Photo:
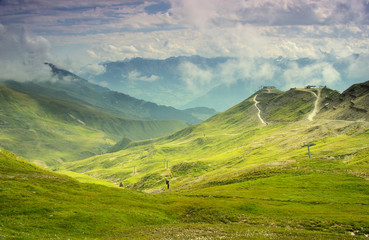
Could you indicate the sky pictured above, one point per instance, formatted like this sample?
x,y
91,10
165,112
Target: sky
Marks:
x,y
79,35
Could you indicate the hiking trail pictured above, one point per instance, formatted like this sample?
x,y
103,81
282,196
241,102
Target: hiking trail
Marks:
x,y
315,110
259,111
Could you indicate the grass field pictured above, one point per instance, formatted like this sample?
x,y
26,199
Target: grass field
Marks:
x,y
314,199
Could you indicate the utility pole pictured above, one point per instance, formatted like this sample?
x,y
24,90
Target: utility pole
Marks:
x,y
308,145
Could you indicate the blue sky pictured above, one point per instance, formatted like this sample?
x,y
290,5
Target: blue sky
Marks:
x,y
78,35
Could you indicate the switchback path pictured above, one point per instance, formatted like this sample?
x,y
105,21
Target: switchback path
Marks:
x,y
315,110
259,111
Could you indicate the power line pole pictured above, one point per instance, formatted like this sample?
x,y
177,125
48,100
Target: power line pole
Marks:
x,y
308,145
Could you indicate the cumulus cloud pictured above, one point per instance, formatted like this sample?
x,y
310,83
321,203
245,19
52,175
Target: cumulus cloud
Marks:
x,y
254,72
247,30
93,69
321,73
247,70
195,78
137,76
358,68
92,53
23,55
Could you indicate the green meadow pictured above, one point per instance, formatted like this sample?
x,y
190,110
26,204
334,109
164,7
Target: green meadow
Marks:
x,y
231,177
314,199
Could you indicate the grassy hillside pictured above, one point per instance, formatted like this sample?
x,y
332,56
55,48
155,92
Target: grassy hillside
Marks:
x,y
231,177
228,142
233,169
38,204
300,201
285,106
68,86
48,131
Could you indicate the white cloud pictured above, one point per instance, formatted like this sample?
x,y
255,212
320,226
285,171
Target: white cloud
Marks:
x,y
321,73
92,53
358,68
196,79
137,76
248,70
249,30
23,55
94,69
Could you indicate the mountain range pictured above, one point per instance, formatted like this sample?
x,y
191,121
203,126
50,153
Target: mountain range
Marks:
x,y
243,173
160,81
219,82
68,86
49,130
291,119
68,118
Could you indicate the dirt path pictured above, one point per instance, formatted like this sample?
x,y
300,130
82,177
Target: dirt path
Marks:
x,y
259,111
315,110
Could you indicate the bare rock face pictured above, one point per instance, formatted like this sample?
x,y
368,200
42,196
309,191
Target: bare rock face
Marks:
x,y
351,105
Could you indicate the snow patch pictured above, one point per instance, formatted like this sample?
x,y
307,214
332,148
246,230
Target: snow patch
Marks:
x,y
78,120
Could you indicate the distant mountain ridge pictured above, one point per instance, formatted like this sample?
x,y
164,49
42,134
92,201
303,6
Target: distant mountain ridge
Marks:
x,y
49,130
71,87
157,80
219,82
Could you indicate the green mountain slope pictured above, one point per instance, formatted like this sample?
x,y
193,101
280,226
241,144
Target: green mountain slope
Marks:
x,y
225,143
48,131
68,86
232,168
231,177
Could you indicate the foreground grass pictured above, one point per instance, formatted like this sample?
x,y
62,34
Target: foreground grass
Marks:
x,y
226,231
38,204
315,199
314,195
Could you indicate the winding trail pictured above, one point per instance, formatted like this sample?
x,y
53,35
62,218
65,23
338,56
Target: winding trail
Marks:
x,y
259,111
315,110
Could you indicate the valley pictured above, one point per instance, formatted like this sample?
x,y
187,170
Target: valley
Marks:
x,y
49,131
184,120
232,176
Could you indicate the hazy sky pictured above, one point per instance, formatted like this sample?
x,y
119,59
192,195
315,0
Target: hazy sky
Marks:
x,y
79,34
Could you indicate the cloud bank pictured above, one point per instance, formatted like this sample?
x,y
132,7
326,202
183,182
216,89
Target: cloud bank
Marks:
x,y
137,76
82,34
23,55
